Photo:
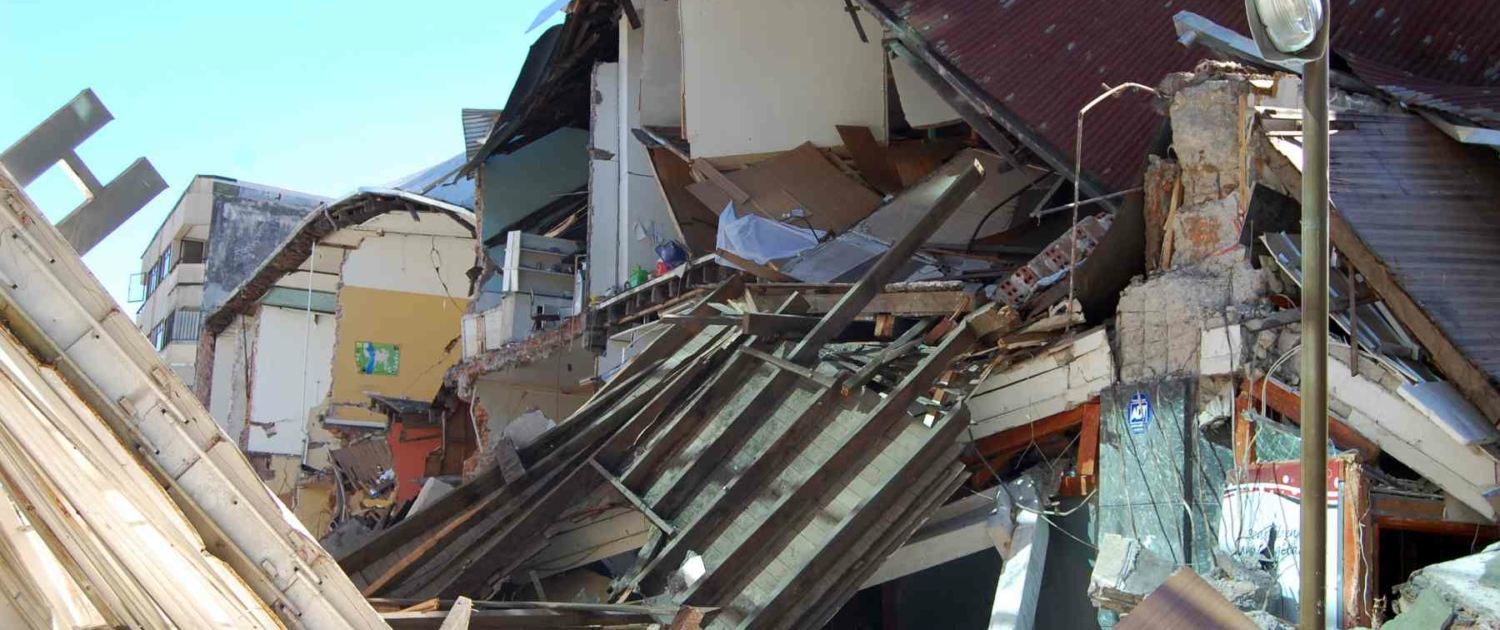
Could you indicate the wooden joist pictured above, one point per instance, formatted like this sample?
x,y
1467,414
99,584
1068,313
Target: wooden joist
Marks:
x,y
737,494
904,344
634,500
874,278
806,373
792,510
775,324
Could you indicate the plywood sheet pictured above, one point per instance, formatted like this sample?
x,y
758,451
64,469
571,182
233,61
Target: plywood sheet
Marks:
x,y
698,224
801,178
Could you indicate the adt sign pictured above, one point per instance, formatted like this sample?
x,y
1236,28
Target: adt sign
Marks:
x,y
1138,413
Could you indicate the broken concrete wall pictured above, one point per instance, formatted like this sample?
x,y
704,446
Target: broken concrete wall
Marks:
x,y
248,225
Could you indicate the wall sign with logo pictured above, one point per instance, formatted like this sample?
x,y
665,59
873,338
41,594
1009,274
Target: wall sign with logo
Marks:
x,y
1138,413
381,359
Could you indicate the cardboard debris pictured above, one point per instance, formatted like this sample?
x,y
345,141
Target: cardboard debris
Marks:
x,y
1186,602
800,179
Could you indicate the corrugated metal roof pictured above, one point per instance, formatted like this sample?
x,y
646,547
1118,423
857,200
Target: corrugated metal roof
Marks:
x,y
1044,59
1480,104
1425,205
441,182
477,125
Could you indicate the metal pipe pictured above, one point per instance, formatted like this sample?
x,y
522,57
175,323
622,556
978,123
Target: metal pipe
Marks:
x,y
1314,384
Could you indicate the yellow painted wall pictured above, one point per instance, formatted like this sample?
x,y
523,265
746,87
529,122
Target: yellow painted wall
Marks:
x,y
422,325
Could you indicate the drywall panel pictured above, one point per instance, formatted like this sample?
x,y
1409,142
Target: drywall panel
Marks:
x,y
420,327
769,75
921,104
287,354
411,263
661,65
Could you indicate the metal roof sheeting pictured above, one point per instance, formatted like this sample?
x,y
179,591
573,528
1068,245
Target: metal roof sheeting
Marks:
x,y
477,125
1044,60
1480,104
1425,205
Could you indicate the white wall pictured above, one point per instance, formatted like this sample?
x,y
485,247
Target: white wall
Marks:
x,y
661,66
643,211
920,103
404,262
604,180
279,374
767,75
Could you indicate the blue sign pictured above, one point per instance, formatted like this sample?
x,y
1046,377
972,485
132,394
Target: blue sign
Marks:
x,y
1138,413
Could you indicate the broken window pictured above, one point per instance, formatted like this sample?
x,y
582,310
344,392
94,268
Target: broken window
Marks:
x,y
193,251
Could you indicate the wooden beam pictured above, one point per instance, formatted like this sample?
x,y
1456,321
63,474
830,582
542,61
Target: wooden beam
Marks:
x,y
1088,450
634,500
895,495
764,272
740,491
669,342
631,16
773,325
806,374
701,320
792,511
1289,404
875,278
458,616
908,341
871,158
1020,437
706,170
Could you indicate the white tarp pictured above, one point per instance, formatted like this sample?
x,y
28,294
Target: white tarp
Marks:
x,y
760,239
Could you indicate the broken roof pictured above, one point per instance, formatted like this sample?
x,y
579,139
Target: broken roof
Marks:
x,y
1041,61
353,209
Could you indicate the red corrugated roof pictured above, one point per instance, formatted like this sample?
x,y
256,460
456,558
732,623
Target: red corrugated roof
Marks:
x,y
1043,59
1480,104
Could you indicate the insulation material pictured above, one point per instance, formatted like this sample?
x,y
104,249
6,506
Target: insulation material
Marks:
x,y
286,358
923,106
796,185
746,93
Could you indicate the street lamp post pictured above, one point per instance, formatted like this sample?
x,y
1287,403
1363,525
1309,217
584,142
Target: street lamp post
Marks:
x,y
1297,30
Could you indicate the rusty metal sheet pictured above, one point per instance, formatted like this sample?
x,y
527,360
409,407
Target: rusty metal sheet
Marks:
x,y
1427,207
1043,60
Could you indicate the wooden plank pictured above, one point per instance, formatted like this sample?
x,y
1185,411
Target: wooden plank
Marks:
x,y
741,490
800,179
701,320
764,272
670,341
793,509
1022,436
712,175
908,341
458,616
900,303
806,374
1358,535
895,496
634,500
775,325
631,16
875,278
1088,450
830,600
519,620
871,158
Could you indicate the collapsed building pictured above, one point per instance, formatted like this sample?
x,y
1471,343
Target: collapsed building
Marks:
x,y
893,321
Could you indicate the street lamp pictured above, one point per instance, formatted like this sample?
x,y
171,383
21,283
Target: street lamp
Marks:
x,y
1297,30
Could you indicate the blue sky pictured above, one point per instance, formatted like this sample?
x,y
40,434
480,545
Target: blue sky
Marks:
x,y
320,97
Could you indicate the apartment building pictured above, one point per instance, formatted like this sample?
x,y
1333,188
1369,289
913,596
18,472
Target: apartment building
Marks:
x,y
219,232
